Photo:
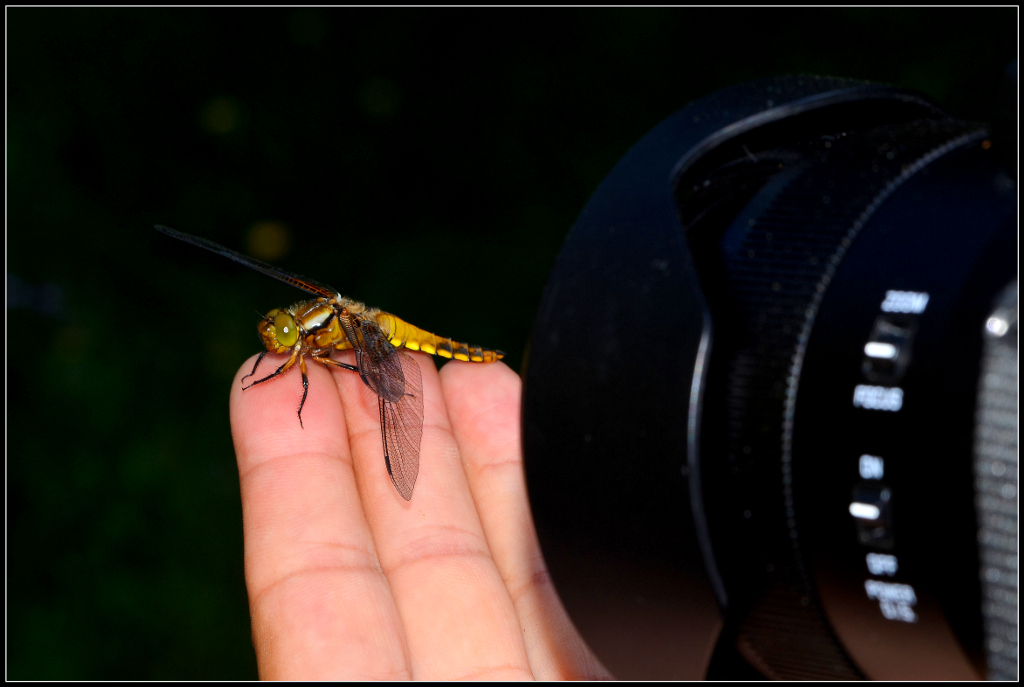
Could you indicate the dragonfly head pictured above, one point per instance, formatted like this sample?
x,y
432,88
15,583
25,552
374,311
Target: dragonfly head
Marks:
x,y
278,331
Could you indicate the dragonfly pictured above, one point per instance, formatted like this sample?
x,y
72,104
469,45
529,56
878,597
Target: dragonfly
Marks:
x,y
331,322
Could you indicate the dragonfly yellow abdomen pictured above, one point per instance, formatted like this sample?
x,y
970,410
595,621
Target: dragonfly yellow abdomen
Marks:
x,y
401,333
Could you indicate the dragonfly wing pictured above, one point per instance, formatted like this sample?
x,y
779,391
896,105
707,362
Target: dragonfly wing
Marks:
x,y
380,364
395,377
401,427
296,280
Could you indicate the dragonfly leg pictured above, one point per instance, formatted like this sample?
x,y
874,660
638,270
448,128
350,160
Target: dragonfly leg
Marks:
x,y
335,363
258,361
305,387
284,368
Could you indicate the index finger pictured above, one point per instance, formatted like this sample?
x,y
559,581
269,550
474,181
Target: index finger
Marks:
x,y
320,605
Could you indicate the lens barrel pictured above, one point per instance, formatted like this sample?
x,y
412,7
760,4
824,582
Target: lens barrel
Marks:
x,y
749,404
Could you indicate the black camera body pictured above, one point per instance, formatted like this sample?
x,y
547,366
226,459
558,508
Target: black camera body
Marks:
x,y
769,410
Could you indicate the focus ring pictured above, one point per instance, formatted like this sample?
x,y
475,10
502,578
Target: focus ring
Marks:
x,y
779,256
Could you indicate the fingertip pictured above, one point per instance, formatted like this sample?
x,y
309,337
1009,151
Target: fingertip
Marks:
x,y
461,380
265,421
242,378
483,403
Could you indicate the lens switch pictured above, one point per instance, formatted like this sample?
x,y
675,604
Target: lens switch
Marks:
x,y
887,351
870,508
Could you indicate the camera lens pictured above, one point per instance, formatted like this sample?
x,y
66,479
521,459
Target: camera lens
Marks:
x,y
764,424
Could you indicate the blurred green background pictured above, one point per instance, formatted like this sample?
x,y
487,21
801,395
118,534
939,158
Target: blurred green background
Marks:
x,y
427,162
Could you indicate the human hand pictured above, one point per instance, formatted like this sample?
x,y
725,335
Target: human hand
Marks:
x,y
347,580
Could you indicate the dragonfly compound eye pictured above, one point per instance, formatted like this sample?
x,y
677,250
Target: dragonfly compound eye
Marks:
x,y
285,329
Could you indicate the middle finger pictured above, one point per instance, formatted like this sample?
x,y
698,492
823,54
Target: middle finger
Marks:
x,y
458,618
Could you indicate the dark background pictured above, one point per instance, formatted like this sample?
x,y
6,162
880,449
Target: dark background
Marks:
x,y
427,162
